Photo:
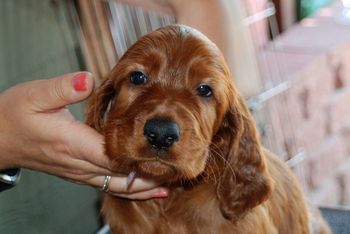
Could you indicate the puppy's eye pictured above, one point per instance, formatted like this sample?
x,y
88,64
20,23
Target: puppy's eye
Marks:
x,y
204,90
138,78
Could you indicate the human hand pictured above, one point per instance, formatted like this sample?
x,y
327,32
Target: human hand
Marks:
x,y
38,132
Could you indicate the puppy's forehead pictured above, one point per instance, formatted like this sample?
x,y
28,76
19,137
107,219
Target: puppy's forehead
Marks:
x,y
176,46
176,38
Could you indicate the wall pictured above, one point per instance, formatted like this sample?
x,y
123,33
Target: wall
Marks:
x,y
314,58
36,42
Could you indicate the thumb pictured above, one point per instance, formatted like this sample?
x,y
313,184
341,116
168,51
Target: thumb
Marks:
x,y
61,91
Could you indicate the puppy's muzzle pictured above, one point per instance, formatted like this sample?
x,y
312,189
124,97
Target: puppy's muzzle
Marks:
x,y
161,133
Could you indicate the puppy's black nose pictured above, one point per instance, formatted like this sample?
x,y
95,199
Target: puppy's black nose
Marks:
x,y
161,133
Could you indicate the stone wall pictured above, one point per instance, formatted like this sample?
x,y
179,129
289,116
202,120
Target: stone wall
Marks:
x,y
313,115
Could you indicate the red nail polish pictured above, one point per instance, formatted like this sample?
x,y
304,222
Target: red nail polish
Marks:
x,y
79,81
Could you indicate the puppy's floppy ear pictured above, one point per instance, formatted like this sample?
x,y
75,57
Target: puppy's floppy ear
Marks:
x,y
100,104
244,182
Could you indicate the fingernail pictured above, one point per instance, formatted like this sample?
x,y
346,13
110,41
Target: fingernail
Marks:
x,y
79,81
161,194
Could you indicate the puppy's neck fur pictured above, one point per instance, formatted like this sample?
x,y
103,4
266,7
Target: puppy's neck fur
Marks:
x,y
185,206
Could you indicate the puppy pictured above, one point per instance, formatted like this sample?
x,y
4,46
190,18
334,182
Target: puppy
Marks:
x,y
169,111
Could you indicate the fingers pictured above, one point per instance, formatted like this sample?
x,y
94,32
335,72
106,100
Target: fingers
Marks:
x,y
81,146
61,91
118,184
144,195
140,188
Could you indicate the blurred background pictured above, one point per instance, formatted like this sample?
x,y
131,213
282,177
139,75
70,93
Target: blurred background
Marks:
x,y
289,59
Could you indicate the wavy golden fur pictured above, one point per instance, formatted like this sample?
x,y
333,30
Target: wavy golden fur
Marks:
x,y
221,179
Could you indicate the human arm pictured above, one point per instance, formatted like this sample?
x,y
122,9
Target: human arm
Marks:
x,y
39,133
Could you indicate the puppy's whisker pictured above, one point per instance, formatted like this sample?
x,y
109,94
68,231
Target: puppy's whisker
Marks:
x,y
140,118
227,164
209,174
213,166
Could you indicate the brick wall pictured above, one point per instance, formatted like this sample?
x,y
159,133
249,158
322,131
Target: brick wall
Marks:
x,y
313,115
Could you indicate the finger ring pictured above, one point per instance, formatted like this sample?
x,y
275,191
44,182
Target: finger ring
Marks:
x,y
106,183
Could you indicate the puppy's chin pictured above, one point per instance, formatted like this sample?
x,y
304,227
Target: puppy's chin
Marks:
x,y
154,168
168,165
158,170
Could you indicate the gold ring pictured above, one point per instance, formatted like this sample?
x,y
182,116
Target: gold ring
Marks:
x,y
106,183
